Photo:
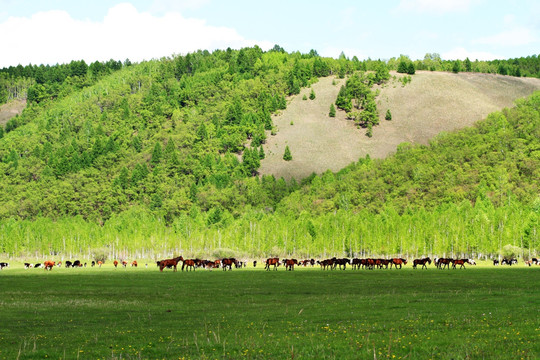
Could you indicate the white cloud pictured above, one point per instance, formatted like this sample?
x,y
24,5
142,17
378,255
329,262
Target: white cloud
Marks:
x,y
461,54
512,37
55,37
435,6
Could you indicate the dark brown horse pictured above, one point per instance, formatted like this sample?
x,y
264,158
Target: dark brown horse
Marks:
x,y
170,262
228,263
421,262
272,262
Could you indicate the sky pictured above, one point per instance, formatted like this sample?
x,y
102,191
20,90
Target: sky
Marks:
x,y
58,31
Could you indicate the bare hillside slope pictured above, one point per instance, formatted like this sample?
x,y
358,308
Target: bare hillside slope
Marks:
x,y
431,103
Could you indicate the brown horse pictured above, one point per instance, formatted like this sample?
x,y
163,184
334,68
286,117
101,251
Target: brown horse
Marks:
x,y
289,264
228,263
272,262
170,262
399,261
421,262
189,264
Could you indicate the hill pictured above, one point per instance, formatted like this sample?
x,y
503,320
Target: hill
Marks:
x,y
432,103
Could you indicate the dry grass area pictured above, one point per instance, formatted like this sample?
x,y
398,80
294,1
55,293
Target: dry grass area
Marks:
x,y
9,110
433,102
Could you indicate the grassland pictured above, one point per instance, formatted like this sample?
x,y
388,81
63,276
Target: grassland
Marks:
x,y
433,102
477,313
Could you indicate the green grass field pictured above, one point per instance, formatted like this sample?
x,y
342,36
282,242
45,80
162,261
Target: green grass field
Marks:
x,y
89,313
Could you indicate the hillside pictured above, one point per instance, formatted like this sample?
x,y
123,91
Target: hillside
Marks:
x,y
432,103
9,110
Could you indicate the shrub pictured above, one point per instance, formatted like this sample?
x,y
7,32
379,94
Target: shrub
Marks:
x,y
287,155
388,115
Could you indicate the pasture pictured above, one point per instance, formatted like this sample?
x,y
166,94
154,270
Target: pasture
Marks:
x,y
137,313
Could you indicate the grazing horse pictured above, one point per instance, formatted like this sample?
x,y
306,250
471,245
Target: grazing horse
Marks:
x,y
168,263
272,262
48,265
289,264
228,263
115,263
399,261
421,262
327,263
188,263
134,263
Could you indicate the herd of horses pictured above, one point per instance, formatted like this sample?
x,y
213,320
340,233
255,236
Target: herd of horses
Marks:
x,y
289,264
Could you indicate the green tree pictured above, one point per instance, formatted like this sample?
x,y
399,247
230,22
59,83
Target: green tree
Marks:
x,y
456,67
388,115
332,112
287,156
156,154
468,65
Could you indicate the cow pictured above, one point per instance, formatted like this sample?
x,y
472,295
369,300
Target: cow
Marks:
x,y
100,263
495,262
68,263
76,263
4,265
124,263
48,265
28,265
38,265
93,263
115,263
255,263
134,263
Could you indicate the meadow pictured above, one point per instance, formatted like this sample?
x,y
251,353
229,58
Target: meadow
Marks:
x,y
139,313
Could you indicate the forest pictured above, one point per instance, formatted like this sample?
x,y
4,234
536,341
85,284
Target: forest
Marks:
x,y
161,157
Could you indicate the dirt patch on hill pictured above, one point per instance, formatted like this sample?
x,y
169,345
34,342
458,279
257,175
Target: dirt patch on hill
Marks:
x,y
433,102
9,110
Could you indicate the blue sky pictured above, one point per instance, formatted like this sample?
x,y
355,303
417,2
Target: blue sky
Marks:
x,y
57,31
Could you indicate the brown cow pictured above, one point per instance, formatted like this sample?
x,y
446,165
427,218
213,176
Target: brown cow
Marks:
x,y
134,263
48,265
115,263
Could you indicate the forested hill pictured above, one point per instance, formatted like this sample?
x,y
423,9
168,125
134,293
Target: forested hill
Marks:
x,y
169,149
165,135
